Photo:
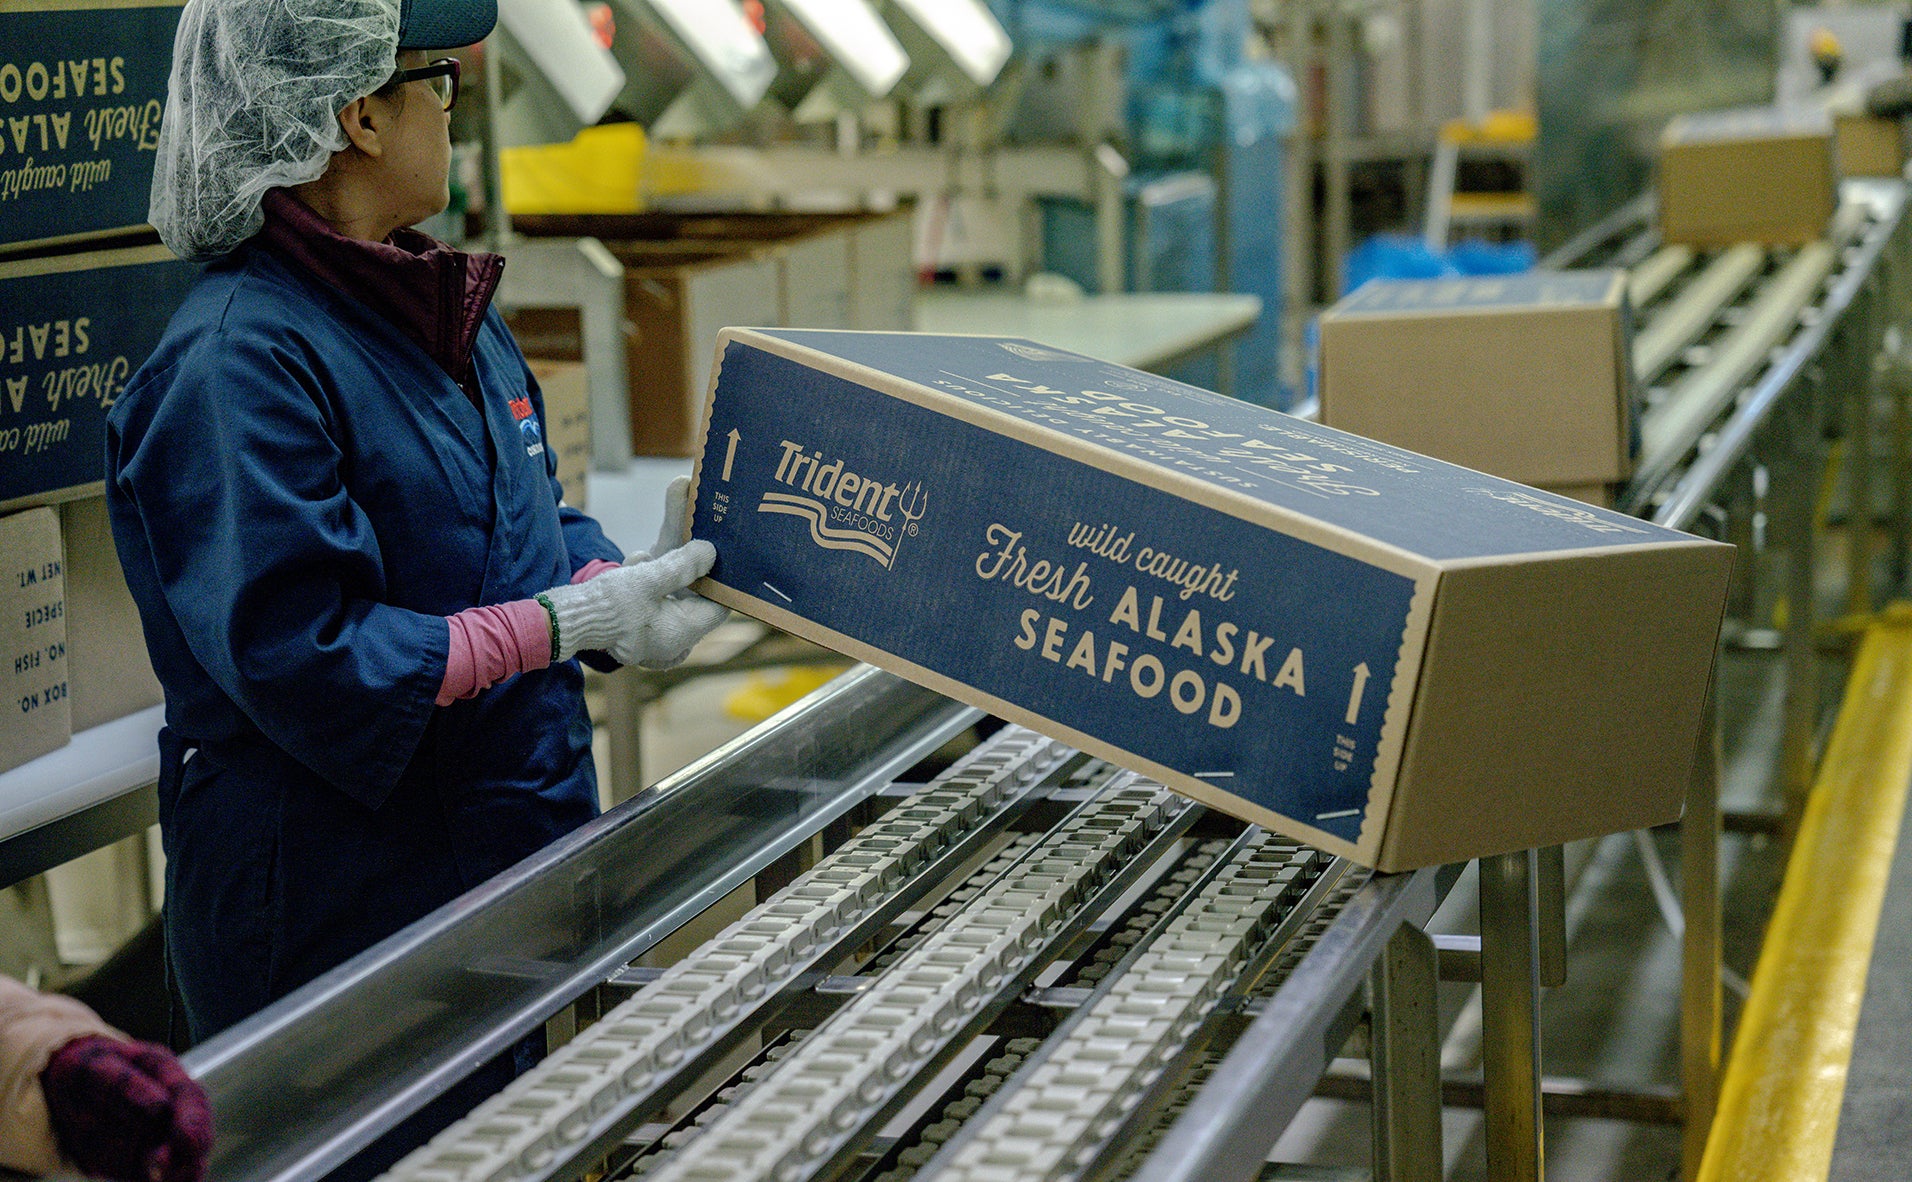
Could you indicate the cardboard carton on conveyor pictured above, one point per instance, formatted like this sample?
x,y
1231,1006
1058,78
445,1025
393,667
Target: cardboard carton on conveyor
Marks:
x,y
1525,376
1765,175
1391,657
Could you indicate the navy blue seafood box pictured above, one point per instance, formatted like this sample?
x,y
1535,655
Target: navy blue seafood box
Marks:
x,y
82,86
1393,658
73,329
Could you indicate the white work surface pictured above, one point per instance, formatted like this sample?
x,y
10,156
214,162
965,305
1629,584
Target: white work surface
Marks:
x,y
1137,330
99,765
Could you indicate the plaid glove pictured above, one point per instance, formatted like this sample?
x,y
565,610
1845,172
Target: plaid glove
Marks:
x,y
127,1111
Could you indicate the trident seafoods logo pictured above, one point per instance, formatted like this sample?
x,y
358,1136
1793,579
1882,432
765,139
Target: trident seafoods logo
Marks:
x,y
845,510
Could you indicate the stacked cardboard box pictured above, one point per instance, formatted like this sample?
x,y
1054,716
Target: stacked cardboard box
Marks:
x,y
70,338
109,670
689,276
82,85
36,710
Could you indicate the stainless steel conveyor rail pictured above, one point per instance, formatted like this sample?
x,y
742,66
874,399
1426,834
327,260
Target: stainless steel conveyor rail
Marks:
x,y
302,1085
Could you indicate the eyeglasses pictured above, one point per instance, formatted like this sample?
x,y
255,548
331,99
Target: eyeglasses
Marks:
x,y
441,74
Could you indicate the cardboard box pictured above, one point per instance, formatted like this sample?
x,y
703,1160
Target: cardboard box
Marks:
x,y
34,704
678,303
813,291
691,274
1757,175
70,336
1870,146
107,666
82,84
1391,657
1587,494
567,413
1524,376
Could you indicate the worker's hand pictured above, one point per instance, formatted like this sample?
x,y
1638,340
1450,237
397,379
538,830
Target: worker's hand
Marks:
x,y
641,612
676,528
127,1111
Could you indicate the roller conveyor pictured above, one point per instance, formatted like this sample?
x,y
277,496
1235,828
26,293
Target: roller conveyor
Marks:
x,y
1698,305
1053,869
795,1123
1066,1106
615,1070
1646,281
1717,328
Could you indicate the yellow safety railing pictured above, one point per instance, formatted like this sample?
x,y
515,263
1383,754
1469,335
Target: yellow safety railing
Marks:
x,y
1784,1084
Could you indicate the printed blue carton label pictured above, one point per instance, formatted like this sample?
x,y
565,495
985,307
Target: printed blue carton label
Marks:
x,y
69,340
81,91
1255,662
1415,504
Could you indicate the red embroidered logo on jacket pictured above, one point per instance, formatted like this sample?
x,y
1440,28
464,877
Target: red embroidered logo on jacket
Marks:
x,y
520,409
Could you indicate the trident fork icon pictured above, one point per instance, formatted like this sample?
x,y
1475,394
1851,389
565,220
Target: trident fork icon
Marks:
x,y
912,504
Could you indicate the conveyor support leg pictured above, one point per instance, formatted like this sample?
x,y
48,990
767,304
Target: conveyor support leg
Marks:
x,y
1510,1005
1700,943
1406,1057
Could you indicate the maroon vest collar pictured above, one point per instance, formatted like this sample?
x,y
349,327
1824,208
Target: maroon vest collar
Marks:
x,y
434,294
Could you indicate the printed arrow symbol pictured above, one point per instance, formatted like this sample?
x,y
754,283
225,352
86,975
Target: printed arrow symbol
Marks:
x,y
730,456
1361,676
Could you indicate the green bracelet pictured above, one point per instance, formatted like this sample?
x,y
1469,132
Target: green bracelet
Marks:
x,y
553,613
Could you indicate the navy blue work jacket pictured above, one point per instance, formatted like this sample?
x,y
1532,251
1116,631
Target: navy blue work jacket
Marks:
x,y
300,495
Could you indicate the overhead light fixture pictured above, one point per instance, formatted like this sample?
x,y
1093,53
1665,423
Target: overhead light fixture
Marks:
x,y
832,55
559,77
692,66
956,47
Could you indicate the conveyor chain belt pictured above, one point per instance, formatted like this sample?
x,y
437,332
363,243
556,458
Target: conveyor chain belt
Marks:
x,y
602,1080
1053,1122
843,1077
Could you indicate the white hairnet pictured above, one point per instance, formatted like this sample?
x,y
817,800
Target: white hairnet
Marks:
x,y
253,104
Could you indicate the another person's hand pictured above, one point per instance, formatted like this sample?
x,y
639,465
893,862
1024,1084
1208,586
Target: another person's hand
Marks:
x,y
638,613
127,1111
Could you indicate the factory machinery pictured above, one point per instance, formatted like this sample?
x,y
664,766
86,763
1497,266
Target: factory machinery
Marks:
x,y
1028,963
1031,964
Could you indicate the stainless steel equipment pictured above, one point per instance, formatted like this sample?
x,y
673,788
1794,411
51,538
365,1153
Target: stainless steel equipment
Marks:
x,y
956,47
1032,925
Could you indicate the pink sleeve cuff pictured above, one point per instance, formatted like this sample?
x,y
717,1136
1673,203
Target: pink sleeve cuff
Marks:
x,y
489,644
592,570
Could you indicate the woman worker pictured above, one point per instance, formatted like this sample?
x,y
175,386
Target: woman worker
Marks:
x,y
360,586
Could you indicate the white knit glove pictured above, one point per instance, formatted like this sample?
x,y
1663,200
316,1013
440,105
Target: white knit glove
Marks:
x,y
676,528
636,612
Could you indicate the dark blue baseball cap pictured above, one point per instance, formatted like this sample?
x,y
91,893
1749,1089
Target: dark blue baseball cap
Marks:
x,y
444,24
